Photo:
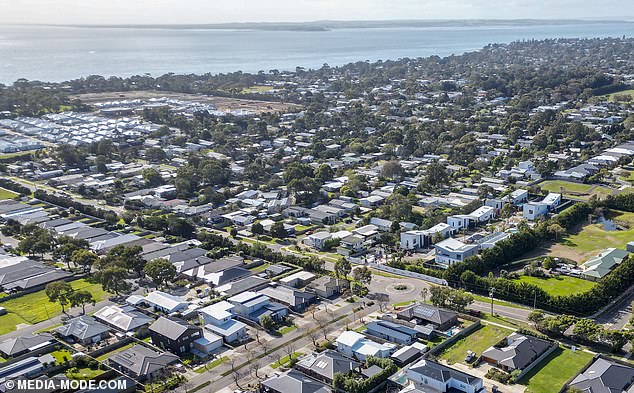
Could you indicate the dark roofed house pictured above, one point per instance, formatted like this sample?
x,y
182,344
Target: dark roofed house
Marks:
x,y
294,382
327,286
20,345
84,330
277,269
29,274
516,352
293,298
174,335
124,318
442,319
141,362
605,376
323,366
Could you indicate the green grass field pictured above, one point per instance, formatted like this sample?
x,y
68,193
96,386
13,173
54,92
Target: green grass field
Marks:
x,y
560,286
555,370
35,307
6,194
256,89
594,238
574,189
211,365
478,342
83,373
286,359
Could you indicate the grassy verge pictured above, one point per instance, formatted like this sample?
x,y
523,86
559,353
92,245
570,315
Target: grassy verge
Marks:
x,y
286,359
211,365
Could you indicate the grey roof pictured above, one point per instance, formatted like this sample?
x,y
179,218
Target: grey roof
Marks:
x,y
442,373
17,345
328,363
142,360
277,269
295,382
172,328
288,295
391,330
520,351
605,376
82,327
251,283
125,318
437,316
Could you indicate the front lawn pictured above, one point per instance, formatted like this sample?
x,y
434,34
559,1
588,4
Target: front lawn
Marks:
x,y
286,359
478,342
9,322
35,307
555,370
287,329
560,286
211,365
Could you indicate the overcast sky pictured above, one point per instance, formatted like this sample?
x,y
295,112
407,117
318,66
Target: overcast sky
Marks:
x,y
221,11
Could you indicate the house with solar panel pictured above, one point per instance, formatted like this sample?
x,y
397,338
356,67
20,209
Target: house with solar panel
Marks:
x,y
423,314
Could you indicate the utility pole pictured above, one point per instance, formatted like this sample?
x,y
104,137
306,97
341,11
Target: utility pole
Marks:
x,y
491,292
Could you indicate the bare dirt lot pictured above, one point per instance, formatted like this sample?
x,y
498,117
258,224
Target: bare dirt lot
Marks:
x,y
224,104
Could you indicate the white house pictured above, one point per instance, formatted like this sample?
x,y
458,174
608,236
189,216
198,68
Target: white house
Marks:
x,y
414,240
356,345
534,210
519,196
440,378
459,221
381,224
452,250
552,200
164,302
483,214
218,319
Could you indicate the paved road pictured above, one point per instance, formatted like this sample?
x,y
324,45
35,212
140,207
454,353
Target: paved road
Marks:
x,y
618,315
297,337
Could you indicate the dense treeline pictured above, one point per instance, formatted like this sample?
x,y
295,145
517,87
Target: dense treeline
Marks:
x,y
13,186
80,207
220,245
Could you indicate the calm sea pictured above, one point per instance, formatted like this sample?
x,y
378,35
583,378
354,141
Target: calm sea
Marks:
x,y
63,53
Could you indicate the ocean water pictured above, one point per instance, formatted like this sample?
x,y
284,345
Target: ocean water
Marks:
x,y
63,53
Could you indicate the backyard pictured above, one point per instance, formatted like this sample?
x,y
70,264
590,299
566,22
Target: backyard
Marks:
x,y
478,342
555,370
594,237
559,286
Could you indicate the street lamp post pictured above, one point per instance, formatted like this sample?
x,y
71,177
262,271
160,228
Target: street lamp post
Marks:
x,y
491,292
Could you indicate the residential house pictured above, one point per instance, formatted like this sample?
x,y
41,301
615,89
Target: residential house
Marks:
x,y
21,345
294,382
323,366
356,345
298,280
409,353
84,329
381,224
328,286
123,318
254,306
516,352
174,335
451,250
142,363
161,301
440,318
518,197
599,266
414,240
534,210
429,375
604,376
294,299
218,318
390,331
